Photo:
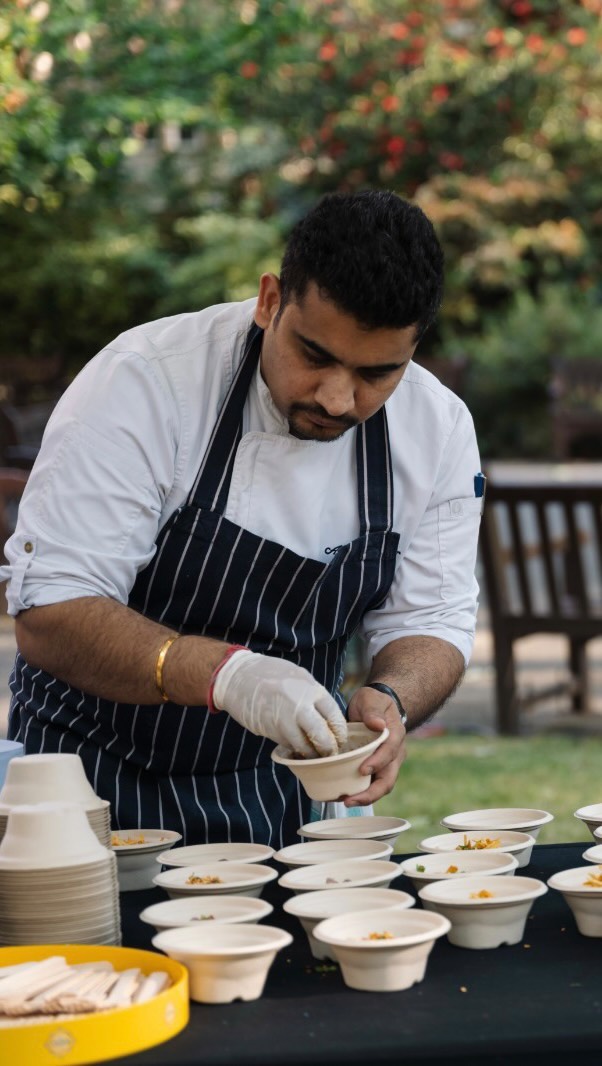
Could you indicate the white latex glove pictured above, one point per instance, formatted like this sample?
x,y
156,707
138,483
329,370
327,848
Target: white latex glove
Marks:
x,y
274,698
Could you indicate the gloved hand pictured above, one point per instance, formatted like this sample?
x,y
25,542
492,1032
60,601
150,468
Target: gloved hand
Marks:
x,y
277,699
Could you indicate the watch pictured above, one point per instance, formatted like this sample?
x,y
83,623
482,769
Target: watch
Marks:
x,y
388,691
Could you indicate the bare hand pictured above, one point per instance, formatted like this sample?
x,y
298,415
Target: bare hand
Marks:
x,y
377,711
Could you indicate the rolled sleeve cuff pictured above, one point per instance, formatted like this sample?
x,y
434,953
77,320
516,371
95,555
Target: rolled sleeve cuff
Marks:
x,y
460,639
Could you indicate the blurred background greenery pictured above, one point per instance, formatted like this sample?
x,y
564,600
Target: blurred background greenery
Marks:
x,y
154,155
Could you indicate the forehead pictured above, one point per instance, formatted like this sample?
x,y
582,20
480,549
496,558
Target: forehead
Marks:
x,y
316,318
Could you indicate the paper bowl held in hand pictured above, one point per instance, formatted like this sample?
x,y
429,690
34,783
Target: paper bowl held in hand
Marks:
x,y
225,962
382,950
313,907
486,911
421,870
334,776
581,887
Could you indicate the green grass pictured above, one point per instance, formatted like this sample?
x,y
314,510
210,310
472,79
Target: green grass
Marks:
x,y
445,775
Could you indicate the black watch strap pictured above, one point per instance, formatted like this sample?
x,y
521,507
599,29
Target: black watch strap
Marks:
x,y
388,691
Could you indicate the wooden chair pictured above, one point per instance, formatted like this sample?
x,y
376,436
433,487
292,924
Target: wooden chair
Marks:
x,y
541,549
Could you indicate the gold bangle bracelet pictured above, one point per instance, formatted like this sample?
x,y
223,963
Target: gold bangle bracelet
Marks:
x,y
163,650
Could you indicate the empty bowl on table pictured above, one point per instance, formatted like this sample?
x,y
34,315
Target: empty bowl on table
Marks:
x,y
581,887
317,851
521,819
46,835
224,962
226,852
313,907
421,870
214,879
591,816
486,911
356,873
361,827
381,950
136,851
177,913
593,854
334,776
514,843
51,777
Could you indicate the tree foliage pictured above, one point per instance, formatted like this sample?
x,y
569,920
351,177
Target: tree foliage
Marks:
x,y
155,153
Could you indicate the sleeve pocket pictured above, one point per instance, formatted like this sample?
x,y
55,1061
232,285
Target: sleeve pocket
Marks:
x,y
458,527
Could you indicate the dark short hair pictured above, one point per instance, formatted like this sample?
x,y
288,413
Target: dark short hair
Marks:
x,y
373,254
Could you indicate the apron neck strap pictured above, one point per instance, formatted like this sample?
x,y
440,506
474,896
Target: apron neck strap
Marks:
x,y
374,474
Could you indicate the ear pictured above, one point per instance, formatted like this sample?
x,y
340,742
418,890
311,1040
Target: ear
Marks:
x,y
268,300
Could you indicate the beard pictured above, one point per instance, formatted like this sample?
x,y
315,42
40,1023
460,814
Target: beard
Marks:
x,y
303,429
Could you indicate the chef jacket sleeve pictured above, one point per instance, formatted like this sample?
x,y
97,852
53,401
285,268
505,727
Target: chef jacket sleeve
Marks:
x,y
92,505
434,591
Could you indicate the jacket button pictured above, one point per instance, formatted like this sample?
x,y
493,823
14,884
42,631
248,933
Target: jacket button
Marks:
x,y
28,546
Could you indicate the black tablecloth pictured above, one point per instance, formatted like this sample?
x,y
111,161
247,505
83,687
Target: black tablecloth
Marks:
x,y
537,1002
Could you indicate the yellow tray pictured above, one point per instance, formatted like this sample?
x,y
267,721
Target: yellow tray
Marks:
x,y
104,1035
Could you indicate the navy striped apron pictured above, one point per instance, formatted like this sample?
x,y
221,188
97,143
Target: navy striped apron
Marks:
x,y
180,767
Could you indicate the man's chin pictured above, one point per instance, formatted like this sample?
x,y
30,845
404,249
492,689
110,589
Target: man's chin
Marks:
x,y
324,434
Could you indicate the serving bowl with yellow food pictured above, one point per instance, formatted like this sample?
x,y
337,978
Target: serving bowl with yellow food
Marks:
x,y
484,911
441,866
513,843
381,950
217,878
136,851
313,907
519,819
333,776
581,887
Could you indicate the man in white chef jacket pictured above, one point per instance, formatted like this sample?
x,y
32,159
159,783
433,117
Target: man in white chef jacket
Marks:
x,y
221,499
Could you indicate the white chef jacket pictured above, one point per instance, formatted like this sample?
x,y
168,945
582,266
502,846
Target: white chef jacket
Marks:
x,y
125,442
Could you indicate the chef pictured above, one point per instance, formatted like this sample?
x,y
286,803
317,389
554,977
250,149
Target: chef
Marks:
x,y
223,498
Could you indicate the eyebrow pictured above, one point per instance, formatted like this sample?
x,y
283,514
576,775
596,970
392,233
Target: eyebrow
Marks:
x,y
319,350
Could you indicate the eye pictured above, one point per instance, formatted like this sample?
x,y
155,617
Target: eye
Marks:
x,y
376,374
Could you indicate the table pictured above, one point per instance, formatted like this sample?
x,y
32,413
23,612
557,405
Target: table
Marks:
x,y
537,1002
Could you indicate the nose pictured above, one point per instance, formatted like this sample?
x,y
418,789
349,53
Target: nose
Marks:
x,y
335,392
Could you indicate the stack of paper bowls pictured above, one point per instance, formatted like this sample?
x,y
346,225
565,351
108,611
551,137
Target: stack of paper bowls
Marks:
x,y
54,778
58,884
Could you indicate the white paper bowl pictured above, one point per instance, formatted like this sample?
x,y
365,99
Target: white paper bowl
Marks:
x,y
335,776
358,873
318,851
48,778
421,870
382,965
585,902
226,962
360,827
483,923
136,863
593,854
591,815
236,879
221,910
47,835
227,852
520,819
313,907
518,844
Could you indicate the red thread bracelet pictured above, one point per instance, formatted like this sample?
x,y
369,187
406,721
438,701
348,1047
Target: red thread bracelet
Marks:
x,y
233,648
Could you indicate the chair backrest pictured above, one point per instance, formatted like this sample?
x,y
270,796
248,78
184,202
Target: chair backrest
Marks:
x,y
541,547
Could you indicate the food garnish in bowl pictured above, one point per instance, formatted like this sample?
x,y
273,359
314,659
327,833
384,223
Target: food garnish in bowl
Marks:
x,y
379,936
118,842
197,879
478,845
594,880
451,870
483,894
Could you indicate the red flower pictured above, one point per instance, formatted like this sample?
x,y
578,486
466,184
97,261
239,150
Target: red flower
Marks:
x,y
439,93
522,9
493,37
451,160
534,42
399,31
390,103
414,18
249,69
396,146
576,35
328,51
